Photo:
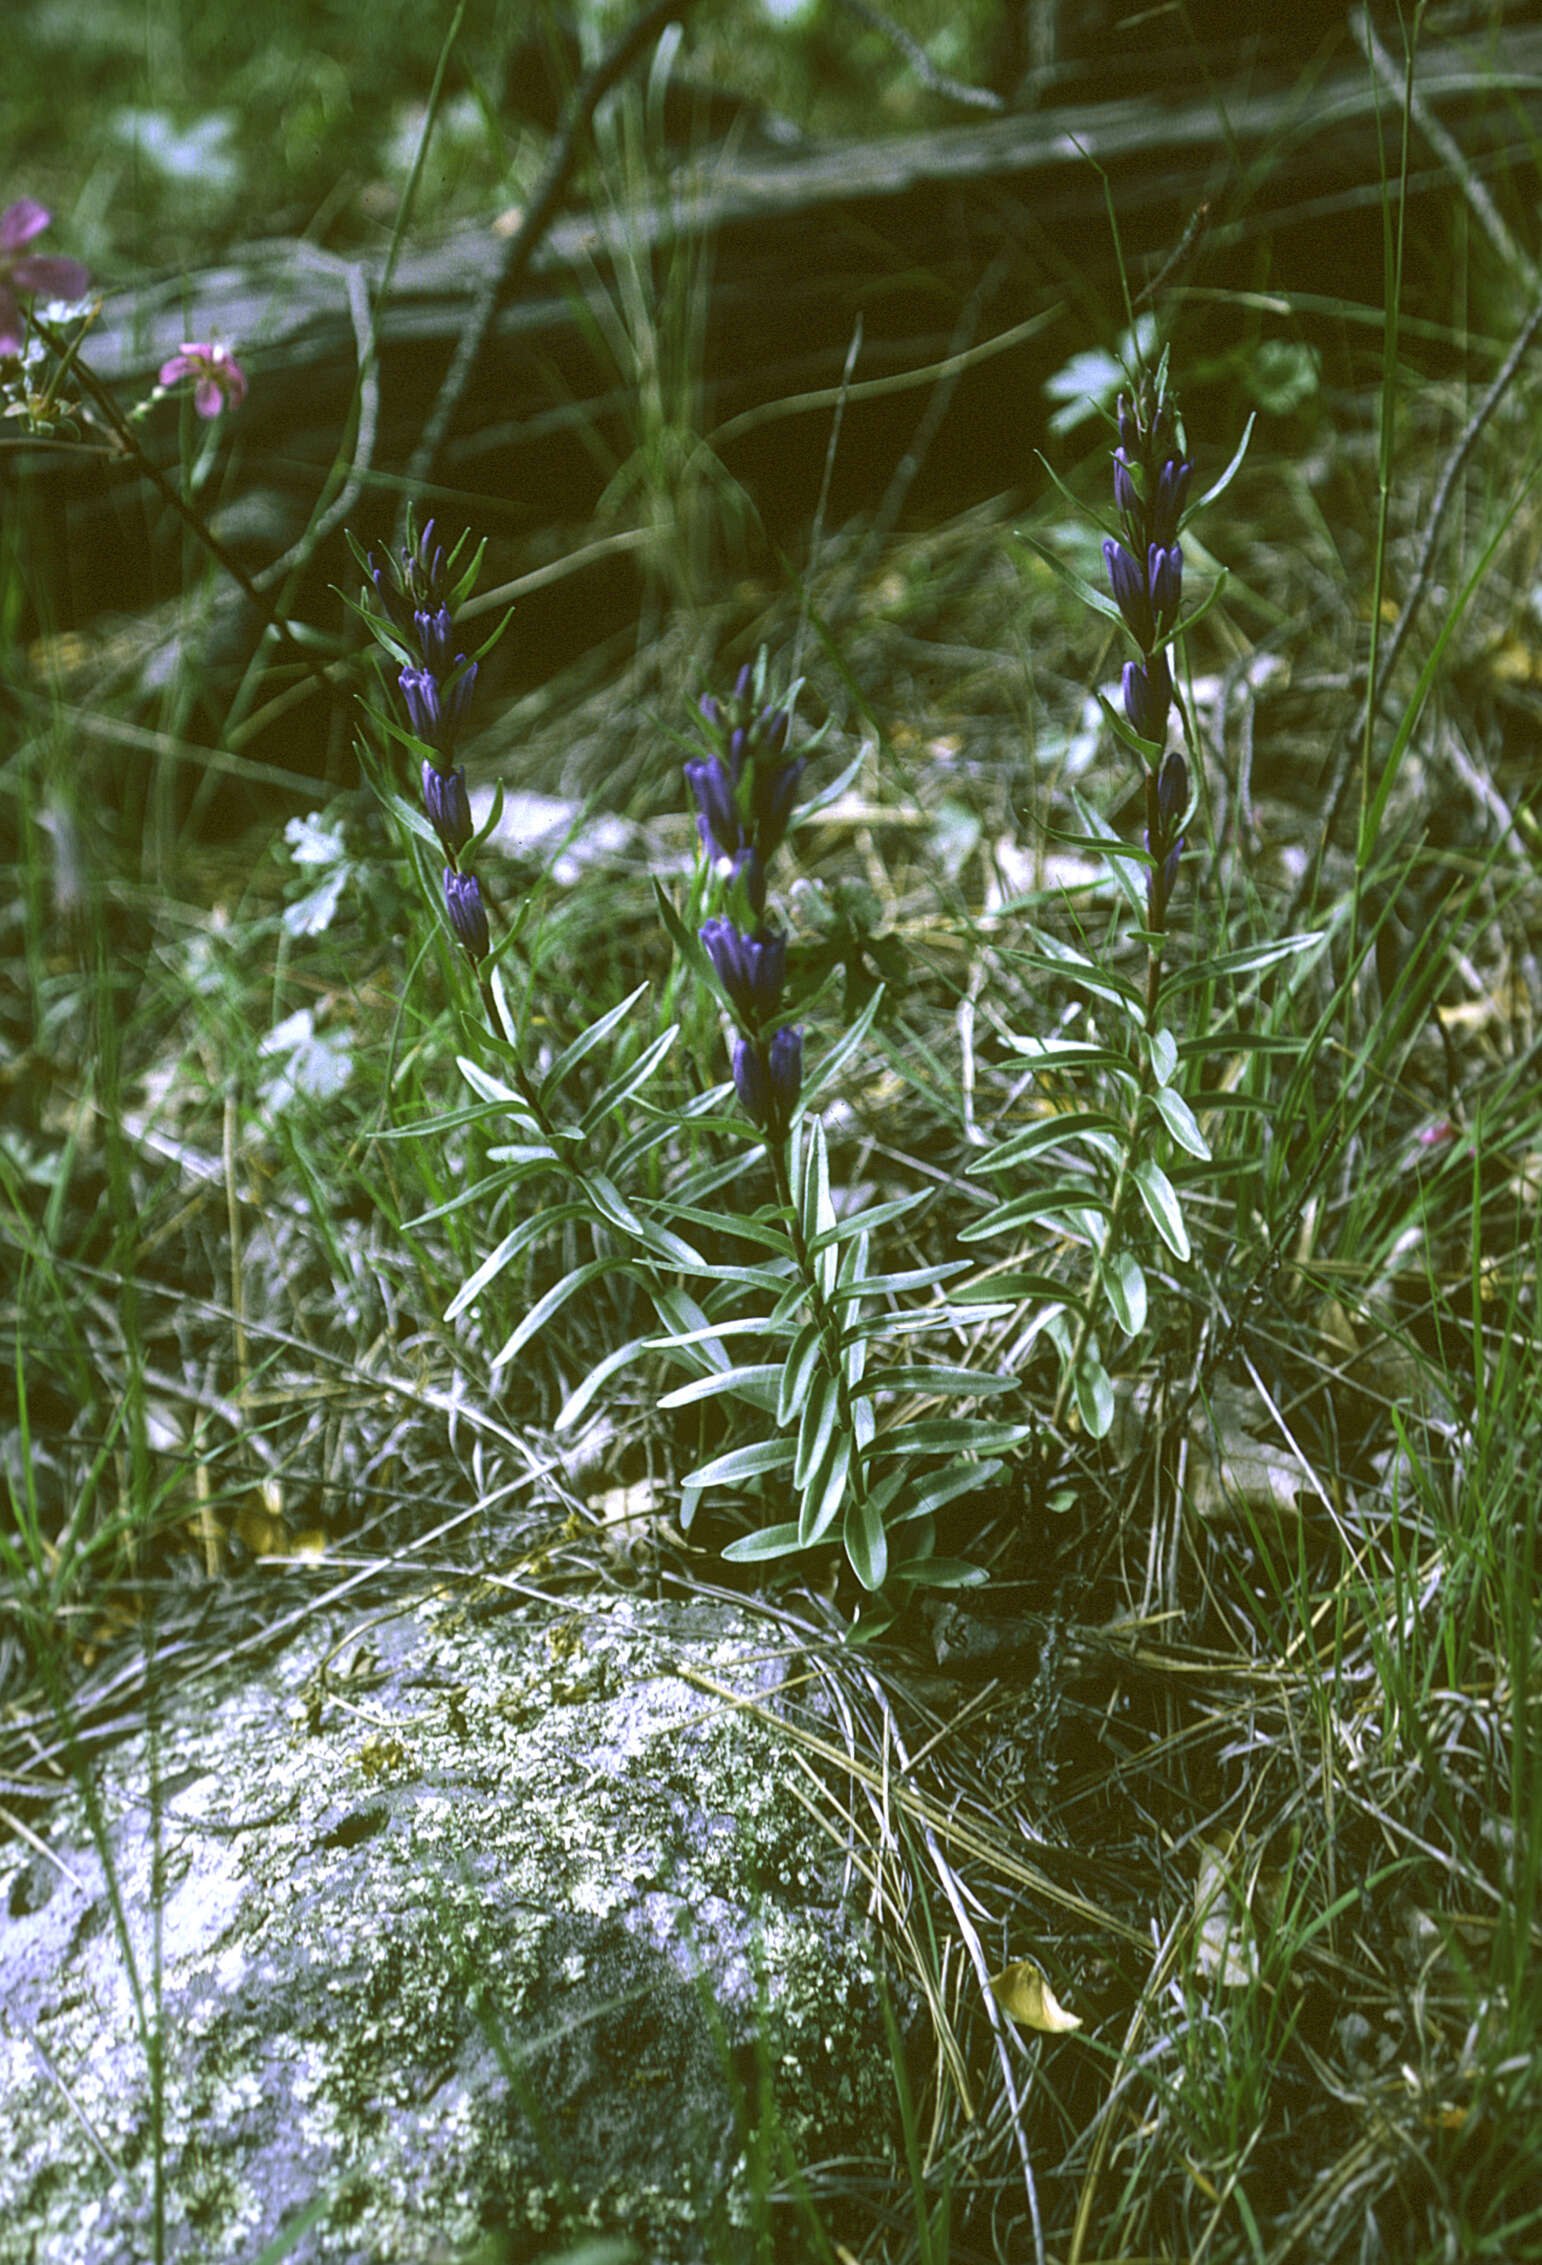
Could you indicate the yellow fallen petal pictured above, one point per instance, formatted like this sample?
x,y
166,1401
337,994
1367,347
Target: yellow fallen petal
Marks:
x,y
1023,1995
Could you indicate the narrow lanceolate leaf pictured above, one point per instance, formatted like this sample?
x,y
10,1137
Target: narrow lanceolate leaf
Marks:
x,y
1164,1056
1248,961
819,1210
921,1498
1085,974
1049,1133
599,1376
543,1309
826,1491
742,1463
940,1573
912,1278
756,1383
816,1182
587,1040
1012,1289
1160,1197
948,1435
1125,1288
1064,1053
932,1376
798,1372
623,1087
771,1541
817,1428
866,1543
873,1215
1180,1121
1094,1397
1042,1203
825,1072
494,1089
514,1243
689,1325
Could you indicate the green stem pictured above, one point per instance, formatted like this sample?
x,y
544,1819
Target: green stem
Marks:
x,y
826,1319
1121,1191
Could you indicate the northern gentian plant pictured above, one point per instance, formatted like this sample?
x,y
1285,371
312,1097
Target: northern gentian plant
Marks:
x,y
417,591
585,1142
1113,1125
855,1470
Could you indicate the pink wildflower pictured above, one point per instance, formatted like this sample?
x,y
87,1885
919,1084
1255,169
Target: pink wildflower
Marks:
x,y
220,376
26,271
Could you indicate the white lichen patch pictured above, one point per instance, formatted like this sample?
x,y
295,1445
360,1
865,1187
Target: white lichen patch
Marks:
x,y
490,1922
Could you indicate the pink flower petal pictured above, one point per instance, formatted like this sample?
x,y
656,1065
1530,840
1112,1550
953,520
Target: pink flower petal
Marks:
x,y
61,279
10,322
20,222
208,397
180,366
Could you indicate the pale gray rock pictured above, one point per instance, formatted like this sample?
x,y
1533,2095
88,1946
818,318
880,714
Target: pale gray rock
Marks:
x,y
480,1930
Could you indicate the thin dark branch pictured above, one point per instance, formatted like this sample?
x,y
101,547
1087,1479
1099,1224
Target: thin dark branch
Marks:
x,y
512,268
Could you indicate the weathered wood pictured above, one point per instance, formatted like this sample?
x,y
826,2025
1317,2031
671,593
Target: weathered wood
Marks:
x,y
841,224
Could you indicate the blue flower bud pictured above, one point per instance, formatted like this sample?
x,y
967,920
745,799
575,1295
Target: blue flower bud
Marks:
x,y
1132,593
394,606
751,970
776,786
1148,691
1126,493
1165,573
423,571
784,1065
722,834
1172,487
752,1081
768,1079
448,806
1172,791
435,712
468,916
435,630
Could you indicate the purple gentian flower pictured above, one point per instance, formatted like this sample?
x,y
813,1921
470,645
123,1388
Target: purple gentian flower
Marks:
x,y
1172,489
448,806
752,1081
435,631
784,1063
221,379
1132,593
751,969
768,1079
435,711
22,271
1164,567
1172,791
468,916
1148,691
775,788
722,834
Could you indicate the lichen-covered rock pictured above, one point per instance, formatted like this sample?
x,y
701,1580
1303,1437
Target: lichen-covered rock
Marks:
x,y
471,1924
